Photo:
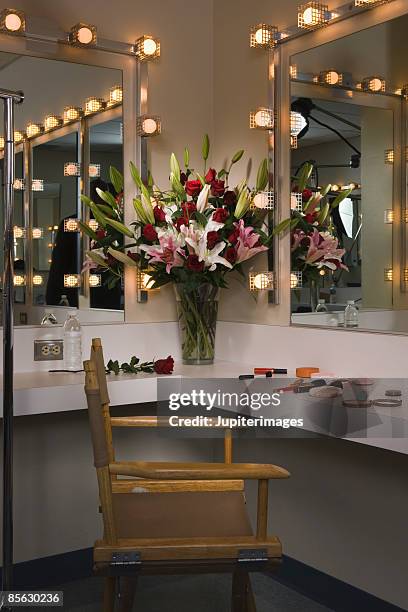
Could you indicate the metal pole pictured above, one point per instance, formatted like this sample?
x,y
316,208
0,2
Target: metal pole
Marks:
x,y
9,99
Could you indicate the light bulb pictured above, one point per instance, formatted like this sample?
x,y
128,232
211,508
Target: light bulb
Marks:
x,y
19,232
71,225
94,170
388,216
37,280
37,233
259,281
83,34
72,113
34,129
388,274
12,22
19,280
93,224
293,281
115,95
149,126
71,281
95,280
149,46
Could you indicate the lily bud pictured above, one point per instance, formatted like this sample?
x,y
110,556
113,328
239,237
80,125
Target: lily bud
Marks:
x,y
242,204
148,208
202,201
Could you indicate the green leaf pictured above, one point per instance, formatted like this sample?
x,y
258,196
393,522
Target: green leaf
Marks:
x,y
186,157
294,223
262,177
200,178
174,166
342,196
222,173
323,213
304,176
238,155
176,185
282,227
150,180
97,214
113,366
135,175
107,210
86,200
97,259
326,190
206,147
122,257
116,178
120,227
201,219
87,230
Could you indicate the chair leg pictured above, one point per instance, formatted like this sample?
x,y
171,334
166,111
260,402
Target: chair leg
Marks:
x,y
109,594
127,593
240,581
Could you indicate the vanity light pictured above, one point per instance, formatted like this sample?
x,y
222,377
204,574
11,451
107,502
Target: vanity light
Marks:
x,y
51,122
72,113
19,136
72,169
374,84
263,36
293,72
71,225
19,232
368,2
37,185
83,34
144,281
93,224
148,125
322,272
293,142
297,123
34,129
261,119
95,280
115,95
335,188
389,156
296,280
2,142
37,233
19,280
94,105
312,15
296,201
38,280
94,170
388,274
71,281
19,184
264,200
147,48
12,21
332,77
260,281
388,216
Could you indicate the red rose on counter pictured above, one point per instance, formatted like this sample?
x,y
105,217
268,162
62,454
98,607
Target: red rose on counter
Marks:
x,y
193,188
230,255
230,198
194,264
164,366
212,239
210,176
159,214
217,188
220,215
149,232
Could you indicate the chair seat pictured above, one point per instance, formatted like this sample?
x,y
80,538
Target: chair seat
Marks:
x,y
181,515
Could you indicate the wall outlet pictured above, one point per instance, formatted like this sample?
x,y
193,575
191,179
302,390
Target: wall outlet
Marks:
x,y
48,350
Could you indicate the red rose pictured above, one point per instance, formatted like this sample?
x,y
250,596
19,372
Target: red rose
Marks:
x,y
212,239
233,237
310,217
164,366
112,262
220,215
230,198
193,188
183,178
230,255
101,234
181,221
159,214
306,195
134,256
119,197
217,188
210,176
149,232
193,263
188,208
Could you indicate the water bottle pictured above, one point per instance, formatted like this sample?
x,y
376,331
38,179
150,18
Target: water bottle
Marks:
x,y
63,301
72,342
350,315
333,294
321,306
48,318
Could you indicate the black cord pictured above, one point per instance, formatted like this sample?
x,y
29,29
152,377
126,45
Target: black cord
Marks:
x,y
339,134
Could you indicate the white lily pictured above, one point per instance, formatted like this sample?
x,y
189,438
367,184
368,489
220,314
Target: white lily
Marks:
x,y
202,201
212,257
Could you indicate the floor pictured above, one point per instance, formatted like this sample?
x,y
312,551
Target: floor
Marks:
x,y
187,593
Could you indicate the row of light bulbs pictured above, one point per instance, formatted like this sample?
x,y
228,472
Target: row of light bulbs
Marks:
x,y
81,34
311,15
389,275
71,281
70,225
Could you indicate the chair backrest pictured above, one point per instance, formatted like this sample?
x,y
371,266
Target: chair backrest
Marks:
x,y
98,360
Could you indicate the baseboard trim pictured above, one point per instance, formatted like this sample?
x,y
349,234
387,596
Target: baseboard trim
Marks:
x,y
314,584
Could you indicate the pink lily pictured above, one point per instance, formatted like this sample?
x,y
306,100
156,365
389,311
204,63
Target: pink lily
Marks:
x,y
323,251
169,251
247,240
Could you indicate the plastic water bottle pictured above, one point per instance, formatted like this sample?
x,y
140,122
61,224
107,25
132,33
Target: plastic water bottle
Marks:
x,y
321,306
72,342
350,315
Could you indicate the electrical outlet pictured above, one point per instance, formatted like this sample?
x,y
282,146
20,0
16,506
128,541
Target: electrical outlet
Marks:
x,y
48,350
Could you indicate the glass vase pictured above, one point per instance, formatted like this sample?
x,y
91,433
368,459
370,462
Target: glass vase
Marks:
x,y
314,294
197,311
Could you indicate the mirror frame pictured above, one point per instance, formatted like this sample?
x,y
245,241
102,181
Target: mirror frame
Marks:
x,y
134,83
300,43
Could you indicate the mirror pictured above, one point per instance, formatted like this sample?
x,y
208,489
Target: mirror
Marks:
x,y
71,133
349,269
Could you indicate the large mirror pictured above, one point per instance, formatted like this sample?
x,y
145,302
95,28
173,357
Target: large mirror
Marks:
x,y
347,111
69,131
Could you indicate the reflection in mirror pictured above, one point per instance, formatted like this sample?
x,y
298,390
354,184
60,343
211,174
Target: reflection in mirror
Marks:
x,y
78,118
345,123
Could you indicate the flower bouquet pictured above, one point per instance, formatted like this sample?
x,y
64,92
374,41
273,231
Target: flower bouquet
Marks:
x,y
314,244
192,235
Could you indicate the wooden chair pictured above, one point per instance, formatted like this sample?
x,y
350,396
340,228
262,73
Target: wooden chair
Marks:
x,y
165,517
